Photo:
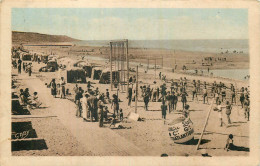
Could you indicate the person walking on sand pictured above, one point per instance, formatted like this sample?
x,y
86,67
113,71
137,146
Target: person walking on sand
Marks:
x,y
223,94
19,66
84,104
29,69
205,95
194,92
121,114
129,97
242,98
220,113
246,108
23,66
146,100
169,101
91,102
164,109
184,99
115,104
78,104
228,111
62,84
198,86
175,100
233,96
53,88
100,112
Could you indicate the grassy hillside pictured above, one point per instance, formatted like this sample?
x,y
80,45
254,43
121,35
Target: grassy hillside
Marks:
x,y
31,37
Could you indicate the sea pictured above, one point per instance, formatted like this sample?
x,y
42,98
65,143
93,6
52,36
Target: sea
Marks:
x,y
237,74
211,46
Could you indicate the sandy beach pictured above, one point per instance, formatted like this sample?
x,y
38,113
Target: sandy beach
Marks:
x,y
65,134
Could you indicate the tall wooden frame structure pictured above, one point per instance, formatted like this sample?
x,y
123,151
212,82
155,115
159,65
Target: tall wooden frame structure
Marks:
x,y
118,58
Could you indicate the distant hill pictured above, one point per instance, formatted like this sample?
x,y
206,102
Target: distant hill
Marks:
x,y
31,37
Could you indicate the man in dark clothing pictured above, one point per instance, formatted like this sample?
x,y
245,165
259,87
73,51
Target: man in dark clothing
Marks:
x,y
146,100
169,101
163,108
19,66
89,85
107,94
184,99
92,102
77,101
130,93
163,91
100,112
115,104
23,66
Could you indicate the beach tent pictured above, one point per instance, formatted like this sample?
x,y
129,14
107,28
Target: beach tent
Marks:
x,y
105,76
26,56
76,75
81,64
96,73
88,70
52,64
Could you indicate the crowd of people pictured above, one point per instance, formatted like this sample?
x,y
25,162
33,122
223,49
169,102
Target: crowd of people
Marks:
x,y
169,92
19,64
31,101
92,104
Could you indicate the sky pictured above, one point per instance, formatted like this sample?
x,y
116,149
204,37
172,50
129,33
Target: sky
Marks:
x,y
133,23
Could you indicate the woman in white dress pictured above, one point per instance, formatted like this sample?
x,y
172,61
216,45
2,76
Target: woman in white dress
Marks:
x,y
84,104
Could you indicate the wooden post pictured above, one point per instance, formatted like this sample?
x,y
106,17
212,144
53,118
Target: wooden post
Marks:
x,y
121,72
206,122
127,65
136,89
111,72
124,63
148,65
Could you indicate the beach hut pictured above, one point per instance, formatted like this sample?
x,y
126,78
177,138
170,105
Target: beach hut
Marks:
x,y
81,64
105,76
26,56
96,73
52,64
76,75
88,70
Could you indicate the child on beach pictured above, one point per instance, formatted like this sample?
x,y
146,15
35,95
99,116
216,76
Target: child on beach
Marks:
x,y
113,121
105,113
186,111
229,143
121,114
